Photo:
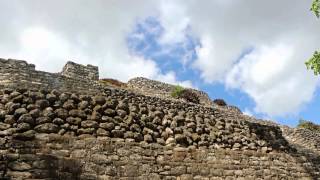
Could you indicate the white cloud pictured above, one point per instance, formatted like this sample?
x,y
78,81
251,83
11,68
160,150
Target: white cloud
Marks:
x,y
247,112
277,86
283,34
274,74
170,78
50,33
175,21
213,61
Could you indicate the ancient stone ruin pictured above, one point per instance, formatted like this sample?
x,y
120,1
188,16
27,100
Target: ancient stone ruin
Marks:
x,y
68,126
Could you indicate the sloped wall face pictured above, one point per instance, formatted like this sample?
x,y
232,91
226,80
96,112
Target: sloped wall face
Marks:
x,y
120,114
162,90
18,73
119,134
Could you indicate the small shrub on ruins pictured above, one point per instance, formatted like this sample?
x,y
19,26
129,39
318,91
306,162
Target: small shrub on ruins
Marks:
x,y
187,94
177,91
220,102
190,96
309,125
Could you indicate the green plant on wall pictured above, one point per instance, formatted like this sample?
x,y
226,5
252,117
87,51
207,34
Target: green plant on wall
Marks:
x,y
186,94
177,91
314,62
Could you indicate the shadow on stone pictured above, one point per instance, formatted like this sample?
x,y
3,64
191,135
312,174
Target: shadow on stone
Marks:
x,y
272,135
35,161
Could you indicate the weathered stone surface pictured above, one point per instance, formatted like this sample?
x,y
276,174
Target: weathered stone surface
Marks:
x,y
102,132
77,113
96,116
117,133
19,166
28,135
43,103
23,127
61,113
148,138
58,121
4,126
100,100
110,112
85,130
83,105
51,98
74,120
42,120
47,128
26,118
89,124
2,114
35,113
12,108
107,126
20,111
170,140
68,105
18,174
48,112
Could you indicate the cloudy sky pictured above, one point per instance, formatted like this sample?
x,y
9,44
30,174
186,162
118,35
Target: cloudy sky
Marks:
x,y
250,53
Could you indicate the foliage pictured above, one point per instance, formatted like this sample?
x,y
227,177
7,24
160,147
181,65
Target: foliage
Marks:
x,y
177,91
309,125
315,7
314,63
187,94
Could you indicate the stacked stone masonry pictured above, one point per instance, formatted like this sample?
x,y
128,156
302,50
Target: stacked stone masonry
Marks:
x,y
61,133
162,90
74,77
79,71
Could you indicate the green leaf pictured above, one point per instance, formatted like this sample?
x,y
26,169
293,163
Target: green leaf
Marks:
x,y
315,7
314,63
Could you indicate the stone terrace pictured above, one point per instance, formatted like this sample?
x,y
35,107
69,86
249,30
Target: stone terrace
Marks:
x,y
63,131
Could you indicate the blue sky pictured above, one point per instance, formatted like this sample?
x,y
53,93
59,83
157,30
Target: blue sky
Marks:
x,y
250,53
145,40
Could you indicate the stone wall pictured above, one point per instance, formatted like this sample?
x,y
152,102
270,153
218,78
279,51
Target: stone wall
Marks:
x,y
121,114
119,134
55,157
162,90
79,71
303,137
18,73
67,126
